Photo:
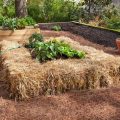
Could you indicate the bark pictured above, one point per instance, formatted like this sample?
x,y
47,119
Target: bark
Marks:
x,y
21,8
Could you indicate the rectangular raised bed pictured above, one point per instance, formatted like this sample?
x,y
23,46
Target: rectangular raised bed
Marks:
x,y
97,35
17,35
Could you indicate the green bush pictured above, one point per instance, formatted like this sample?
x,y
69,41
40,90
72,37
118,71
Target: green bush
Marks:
x,y
53,50
53,10
36,12
110,11
29,21
56,28
113,23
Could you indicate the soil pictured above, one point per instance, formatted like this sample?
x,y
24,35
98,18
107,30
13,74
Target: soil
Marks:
x,y
93,34
103,104
80,39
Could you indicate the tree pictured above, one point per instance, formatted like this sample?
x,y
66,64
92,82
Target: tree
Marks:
x,y
96,5
21,8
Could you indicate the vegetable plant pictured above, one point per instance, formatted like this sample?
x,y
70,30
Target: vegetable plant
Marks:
x,y
36,37
56,28
53,49
9,23
16,23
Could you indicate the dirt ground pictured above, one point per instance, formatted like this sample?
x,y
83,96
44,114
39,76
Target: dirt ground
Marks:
x,y
101,104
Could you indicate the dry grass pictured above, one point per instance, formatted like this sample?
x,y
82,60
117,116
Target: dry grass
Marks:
x,y
28,78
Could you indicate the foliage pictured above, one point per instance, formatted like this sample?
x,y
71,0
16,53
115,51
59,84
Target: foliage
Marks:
x,y
113,23
54,10
53,50
111,17
7,8
36,37
9,23
16,23
1,20
29,21
22,22
36,11
95,6
63,10
109,11
57,28
92,8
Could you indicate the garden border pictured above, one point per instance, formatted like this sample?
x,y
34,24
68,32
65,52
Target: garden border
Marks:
x,y
99,35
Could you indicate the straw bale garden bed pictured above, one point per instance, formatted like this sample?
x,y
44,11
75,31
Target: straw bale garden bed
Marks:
x,y
59,60
27,77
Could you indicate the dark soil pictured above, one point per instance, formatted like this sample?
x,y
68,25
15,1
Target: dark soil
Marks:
x,y
81,40
94,34
101,104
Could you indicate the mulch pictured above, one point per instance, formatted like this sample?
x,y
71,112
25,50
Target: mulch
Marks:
x,y
85,105
103,104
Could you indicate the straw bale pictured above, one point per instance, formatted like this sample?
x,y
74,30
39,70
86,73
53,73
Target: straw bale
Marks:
x,y
27,77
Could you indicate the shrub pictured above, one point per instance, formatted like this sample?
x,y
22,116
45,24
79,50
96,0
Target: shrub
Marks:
x,y
110,11
53,49
53,10
36,12
29,21
56,28
113,23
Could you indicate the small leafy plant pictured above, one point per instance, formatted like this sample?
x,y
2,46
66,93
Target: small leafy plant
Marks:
x,y
1,20
36,37
56,28
21,23
9,23
16,23
54,49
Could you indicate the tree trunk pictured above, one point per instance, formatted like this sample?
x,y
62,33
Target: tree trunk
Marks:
x,y
21,8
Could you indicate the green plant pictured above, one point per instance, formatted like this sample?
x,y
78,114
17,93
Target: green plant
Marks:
x,y
113,23
27,21
110,11
57,28
21,23
36,37
16,23
1,20
9,23
53,50
53,10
